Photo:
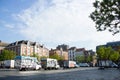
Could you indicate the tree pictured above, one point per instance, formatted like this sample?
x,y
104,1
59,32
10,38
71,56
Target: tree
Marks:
x,y
43,57
107,15
80,59
107,53
35,55
101,53
114,56
56,56
7,55
89,58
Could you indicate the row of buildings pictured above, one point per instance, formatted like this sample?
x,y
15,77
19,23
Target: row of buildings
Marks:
x,y
27,48
115,45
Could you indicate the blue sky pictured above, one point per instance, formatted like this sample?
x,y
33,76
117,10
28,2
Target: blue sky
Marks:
x,y
7,10
51,22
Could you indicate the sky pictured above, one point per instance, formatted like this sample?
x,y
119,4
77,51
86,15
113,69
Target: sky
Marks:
x,y
51,22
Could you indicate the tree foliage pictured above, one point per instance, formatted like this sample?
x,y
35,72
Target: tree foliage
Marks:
x,y
101,53
89,58
43,57
35,55
80,59
114,56
56,56
107,53
107,15
7,55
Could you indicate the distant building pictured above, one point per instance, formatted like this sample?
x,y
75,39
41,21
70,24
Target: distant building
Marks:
x,y
73,52
93,55
2,45
27,48
114,45
90,52
80,52
63,47
61,53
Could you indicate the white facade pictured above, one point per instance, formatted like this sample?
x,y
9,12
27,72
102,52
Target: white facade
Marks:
x,y
71,53
28,48
74,52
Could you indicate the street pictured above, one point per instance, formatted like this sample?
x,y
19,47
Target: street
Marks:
x,y
66,74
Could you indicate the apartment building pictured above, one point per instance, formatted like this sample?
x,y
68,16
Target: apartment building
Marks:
x,y
73,52
64,47
114,45
27,48
80,52
2,45
60,52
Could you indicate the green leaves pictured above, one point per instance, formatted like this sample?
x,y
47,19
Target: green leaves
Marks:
x,y
56,56
95,4
107,53
114,56
101,52
106,15
36,55
89,58
80,59
7,55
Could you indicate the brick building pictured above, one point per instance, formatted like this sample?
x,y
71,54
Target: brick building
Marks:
x,y
61,53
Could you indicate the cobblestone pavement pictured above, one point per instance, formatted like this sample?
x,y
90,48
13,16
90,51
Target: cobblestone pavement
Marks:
x,y
67,74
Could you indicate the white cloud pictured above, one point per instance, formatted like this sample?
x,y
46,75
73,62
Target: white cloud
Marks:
x,y
10,26
61,21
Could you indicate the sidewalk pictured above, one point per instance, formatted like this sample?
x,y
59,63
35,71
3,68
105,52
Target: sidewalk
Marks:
x,y
7,69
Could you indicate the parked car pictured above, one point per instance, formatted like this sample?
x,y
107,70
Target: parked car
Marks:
x,y
83,64
113,65
76,66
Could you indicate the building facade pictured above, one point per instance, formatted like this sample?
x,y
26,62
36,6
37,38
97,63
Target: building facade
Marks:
x,y
64,47
80,52
27,48
114,45
73,52
60,53
2,46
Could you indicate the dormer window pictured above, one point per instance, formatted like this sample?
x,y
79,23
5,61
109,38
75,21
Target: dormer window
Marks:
x,y
28,43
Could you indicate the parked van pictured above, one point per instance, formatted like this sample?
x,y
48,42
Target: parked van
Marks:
x,y
49,63
27,63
